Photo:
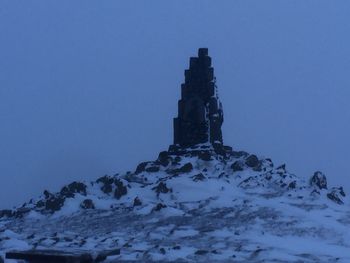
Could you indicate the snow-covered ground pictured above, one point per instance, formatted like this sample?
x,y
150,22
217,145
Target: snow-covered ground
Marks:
x,y
191,207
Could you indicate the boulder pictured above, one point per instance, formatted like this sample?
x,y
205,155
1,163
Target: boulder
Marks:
x,y
237,166
161,188
106,184
184,169
20,212
54,203
70,190
163,158
87,204
152,169
159,206
252,161
204,155
336,194
47,194
137,202
120,189
6,213
318,180
292,185
40,204
239,154
198,177
281,168
141,167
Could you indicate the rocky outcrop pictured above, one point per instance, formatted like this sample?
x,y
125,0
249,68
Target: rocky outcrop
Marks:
x,y
120,190
318,180
337,194
87,204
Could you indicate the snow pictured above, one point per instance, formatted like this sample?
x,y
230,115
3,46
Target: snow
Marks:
x,y
245,216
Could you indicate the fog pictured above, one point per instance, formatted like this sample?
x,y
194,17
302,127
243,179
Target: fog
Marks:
x,y
89,88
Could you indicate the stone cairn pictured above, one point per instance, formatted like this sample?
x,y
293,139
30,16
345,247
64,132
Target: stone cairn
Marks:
x,y
200,114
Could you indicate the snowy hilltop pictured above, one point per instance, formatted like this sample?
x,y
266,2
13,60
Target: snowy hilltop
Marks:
x,y
196,206
199,201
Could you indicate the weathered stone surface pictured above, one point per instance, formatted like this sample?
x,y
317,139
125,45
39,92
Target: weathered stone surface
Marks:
x,y
87,204
159,206
237,166
107,184
161,188
120,190
49,256
163,158
184,169
20,212
198,177
204,155
319,180
292,185
137,201
252,161
141,167
153,169
336,194
5,213
73,188
200,113
54,203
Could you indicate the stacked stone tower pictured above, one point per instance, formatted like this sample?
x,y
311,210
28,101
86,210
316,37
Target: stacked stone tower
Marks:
x,y
200,114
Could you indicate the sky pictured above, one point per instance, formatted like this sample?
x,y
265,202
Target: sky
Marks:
x,y
89,88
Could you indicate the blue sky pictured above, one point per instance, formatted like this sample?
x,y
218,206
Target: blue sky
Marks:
x,y
91,87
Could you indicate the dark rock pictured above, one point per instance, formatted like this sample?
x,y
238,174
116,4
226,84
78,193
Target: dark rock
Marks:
x,y
201,252
269,162
163,158
54,203
177,159
70,190
200,113
252,161
120,190
152,169
20,212
318,180
282,168
162,251
336,195
87,204
105,180
106,184
103,256
6,213
161,188
177,247
1,260
159,206
47,194
107,188
40,204
239,154
292,185
237,166
198,177
184,169
141,167
204,155
137,202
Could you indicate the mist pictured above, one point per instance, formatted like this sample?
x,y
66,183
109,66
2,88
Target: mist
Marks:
x,y
90,88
